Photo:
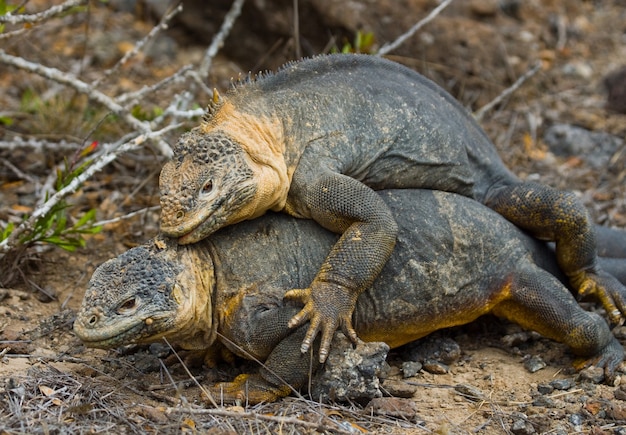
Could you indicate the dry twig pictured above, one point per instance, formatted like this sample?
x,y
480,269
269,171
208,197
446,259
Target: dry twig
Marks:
x,y
402,38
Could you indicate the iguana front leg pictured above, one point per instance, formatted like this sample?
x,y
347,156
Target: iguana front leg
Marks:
x,y
555,215
347,206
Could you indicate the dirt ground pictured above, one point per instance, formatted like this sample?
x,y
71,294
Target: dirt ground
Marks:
x,y
50,383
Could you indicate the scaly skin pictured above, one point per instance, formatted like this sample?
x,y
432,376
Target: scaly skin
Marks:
x,y
317,138
227,290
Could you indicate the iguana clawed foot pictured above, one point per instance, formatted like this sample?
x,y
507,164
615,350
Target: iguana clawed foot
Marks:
x,y
327,306
608,290
608,358
250,388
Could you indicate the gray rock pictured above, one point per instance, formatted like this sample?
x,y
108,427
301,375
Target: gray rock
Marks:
x,y
411,368
562,384
433,347
350,373
534,364
595,148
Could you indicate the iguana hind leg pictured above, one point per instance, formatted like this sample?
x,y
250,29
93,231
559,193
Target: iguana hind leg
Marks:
x,y
537,300
286,369
550,214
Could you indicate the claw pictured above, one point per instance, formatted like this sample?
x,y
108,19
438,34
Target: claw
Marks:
x,y
251,388
327,306
609,291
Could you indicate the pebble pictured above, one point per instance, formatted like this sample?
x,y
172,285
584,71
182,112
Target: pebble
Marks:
x,y
544,401
562,384
592,374
521,426
615,84
470,392
620,393
534,364
435,367
411,368
595,148
545,389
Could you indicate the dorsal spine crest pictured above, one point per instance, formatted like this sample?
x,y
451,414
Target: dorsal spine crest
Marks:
x,y
213,107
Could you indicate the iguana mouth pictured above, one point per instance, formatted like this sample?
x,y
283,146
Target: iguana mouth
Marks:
x,y
118,333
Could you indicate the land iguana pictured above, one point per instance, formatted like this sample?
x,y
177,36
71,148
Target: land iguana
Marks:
x,y
465,261
317,138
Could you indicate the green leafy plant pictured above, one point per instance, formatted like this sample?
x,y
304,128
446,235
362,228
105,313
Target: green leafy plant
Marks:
x,y
363,43
145,114
55,226
5,9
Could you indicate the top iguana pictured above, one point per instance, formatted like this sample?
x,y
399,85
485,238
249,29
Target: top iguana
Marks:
x,y
318,137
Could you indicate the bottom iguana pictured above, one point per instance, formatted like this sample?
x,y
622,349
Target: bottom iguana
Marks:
x,y
465,261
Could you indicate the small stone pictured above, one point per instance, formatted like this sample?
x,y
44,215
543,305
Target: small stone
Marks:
x,y
592,374
433,347
397,388
392,407
522,426
470,392
534,364
545,389
615,84
435,367
411,368
484,8
595,148
620,393
544,401
562,384
160,350
616,411
576,419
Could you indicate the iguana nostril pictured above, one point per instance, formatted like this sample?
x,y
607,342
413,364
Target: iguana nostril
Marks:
x,y
179,215
93,320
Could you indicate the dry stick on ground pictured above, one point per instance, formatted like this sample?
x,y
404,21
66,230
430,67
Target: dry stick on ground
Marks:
x,y
140,44
480,113
218,40
40,16
402,38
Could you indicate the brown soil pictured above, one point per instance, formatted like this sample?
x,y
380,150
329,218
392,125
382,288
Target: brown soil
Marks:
x,y
475,49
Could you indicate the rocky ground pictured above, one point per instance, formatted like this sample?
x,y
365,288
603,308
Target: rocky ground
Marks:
x,y
563,126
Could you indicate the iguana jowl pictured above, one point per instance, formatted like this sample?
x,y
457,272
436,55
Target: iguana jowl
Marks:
x,y
228,289
317,138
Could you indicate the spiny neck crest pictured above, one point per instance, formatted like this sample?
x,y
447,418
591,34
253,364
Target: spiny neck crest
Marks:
x,y
213,107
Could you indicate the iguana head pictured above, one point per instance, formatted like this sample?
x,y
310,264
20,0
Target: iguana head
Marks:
x,y
211,182
149,292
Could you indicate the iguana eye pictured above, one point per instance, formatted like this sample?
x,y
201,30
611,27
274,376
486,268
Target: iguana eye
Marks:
x,y
127,306
208,187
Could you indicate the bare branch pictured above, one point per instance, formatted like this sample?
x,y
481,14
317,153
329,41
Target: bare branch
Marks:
x,y
140,44
126,216
38,145
40,16
218,40
133,96
480,113
106,158
71,80
402,38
